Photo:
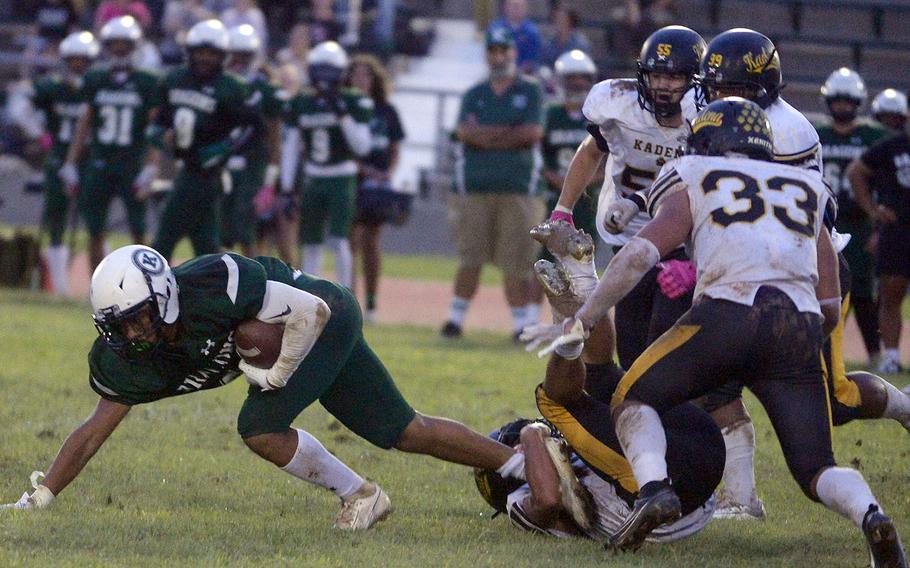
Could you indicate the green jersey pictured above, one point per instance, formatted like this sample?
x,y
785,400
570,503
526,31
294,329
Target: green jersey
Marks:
x,y
62,106
327,153
120,103
838,151
203,114
499,171
563,131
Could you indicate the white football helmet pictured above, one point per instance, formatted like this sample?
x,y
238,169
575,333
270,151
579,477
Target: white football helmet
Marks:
x,y
243,39
79,44
573,63
845,83
890,101
326,65
208,33
124,27
133,288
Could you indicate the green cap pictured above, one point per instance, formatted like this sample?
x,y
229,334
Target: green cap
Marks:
x,y
500,36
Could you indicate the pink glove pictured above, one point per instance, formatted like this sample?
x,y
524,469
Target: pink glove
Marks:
x,y
264,200
562,216
676,277
46,141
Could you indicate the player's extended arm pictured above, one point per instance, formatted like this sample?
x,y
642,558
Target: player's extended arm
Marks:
x,y
304,317
77,450
581,172
545,502
828,288
669,229
860,175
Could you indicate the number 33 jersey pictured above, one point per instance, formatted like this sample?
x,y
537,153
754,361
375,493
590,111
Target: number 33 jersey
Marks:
x,y
754,223
639,146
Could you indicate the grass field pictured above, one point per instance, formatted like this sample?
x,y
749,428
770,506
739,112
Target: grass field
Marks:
x,y
176,486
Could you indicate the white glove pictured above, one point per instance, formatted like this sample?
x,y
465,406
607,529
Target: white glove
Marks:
x,y
40,499
262,378
142,185
619,213
535,335
69,175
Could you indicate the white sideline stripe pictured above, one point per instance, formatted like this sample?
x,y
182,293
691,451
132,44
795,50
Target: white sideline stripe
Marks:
x,y
103,388
233,277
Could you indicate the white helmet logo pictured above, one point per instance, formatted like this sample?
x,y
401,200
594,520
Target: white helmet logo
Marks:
x,y
148,261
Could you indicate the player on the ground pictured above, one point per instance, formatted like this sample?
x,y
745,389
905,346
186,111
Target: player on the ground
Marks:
x,y
843,139
171,332
206,115
564,130
330,126
640,125
56,95
767,280
890,108
254,171
122,101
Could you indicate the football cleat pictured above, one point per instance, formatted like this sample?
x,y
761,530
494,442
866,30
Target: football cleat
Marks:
x,y
451,330
657,504
559,288
889,366
885,550
576,500
727,508
573,248
366,507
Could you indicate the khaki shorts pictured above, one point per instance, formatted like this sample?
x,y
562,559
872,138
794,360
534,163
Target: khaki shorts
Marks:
x,y
493,227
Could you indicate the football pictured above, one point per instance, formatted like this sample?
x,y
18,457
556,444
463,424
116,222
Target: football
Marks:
x,y
259,343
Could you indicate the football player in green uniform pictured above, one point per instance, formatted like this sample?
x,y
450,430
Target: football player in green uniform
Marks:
x,y
206,115
121,102
171,332
843,139
564,130
57,96
254,171
331,127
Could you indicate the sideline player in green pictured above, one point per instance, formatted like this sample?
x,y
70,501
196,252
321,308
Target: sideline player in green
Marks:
x,y
122,100
254,171
171,332
206,115
564,129
56,95
844,138
331,127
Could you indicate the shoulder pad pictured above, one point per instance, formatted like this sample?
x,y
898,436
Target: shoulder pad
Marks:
x,y
610,99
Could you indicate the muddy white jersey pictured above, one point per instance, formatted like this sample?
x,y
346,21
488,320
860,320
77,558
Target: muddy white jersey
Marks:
x,y
795,139
754,223
638,145
610,511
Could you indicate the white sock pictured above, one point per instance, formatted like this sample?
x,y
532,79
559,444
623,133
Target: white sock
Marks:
x,y
459,310
344,261
739,469
570,351
644,442
893,355
844,491
532,313
898,404
57,260
514,467
314,464
519,317
312,259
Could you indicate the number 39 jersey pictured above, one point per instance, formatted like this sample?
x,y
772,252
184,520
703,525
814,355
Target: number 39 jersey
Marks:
x,y
754,223
120,103
639,146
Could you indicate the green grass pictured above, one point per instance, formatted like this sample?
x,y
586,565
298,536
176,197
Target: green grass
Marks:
x,y
176,486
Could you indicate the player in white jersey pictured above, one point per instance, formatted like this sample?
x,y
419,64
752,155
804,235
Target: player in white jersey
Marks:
x,y
640,124
767,292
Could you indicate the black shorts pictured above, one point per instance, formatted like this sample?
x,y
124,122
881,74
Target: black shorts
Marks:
x,y
645,313
894,250
771,347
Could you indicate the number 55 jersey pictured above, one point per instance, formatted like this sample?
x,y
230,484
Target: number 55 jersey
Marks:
x,y
754,223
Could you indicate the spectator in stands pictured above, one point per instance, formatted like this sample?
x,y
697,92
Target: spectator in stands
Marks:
x,y
179,17
377,201
54,19
322,23
885,170
296,51
110,9
246,12
565,37
641,18
527,36
499,126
